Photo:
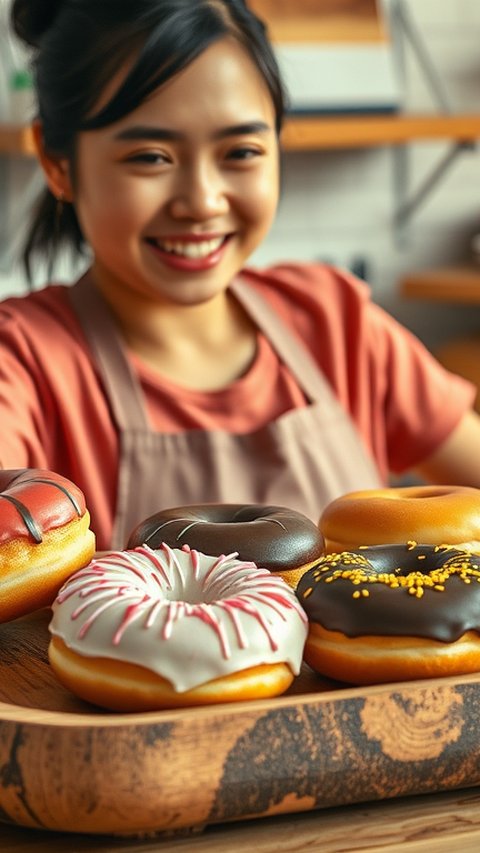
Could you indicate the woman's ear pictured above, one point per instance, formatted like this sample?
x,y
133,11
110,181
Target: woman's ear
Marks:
x,y
56,169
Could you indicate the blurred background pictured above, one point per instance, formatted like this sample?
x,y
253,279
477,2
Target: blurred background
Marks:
x,y
381,168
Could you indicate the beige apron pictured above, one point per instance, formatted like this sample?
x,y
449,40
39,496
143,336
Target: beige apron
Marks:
x,y
303,460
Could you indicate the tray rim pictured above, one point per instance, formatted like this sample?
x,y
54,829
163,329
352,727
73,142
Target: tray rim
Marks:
x,y
13,713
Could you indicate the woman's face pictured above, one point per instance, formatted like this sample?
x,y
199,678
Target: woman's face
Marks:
x,y
175,196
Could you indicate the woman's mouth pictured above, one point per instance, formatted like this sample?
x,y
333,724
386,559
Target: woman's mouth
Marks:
x,y
190,254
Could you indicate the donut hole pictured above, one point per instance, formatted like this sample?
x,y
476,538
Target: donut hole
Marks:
x,y
191,595
187,590
402,560
427,492
275,538
199,591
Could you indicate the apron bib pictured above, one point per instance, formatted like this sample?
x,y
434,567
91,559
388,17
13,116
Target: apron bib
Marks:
x,y
302,460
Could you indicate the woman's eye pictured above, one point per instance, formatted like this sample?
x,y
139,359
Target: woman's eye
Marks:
x,y
154,158
245,153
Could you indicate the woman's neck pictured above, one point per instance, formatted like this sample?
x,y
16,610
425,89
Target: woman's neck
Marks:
x,y
204,346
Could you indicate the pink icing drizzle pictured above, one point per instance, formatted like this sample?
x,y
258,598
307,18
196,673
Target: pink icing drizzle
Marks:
x,y
102,583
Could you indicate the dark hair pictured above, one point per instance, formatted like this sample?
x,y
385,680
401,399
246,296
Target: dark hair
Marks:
x,y
78,45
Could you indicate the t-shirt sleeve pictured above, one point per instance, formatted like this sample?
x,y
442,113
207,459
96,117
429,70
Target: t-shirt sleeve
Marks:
x,y
423,401
23,402
402,401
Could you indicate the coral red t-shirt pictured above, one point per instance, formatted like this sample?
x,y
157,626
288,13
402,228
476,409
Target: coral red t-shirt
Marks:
x,y
54,413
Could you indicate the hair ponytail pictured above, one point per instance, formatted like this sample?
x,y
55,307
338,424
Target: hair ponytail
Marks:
x,y
54,225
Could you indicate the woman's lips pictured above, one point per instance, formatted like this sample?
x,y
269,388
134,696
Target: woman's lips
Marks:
x,y
193,254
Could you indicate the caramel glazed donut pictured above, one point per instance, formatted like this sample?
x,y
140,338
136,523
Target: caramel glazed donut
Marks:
x,y
148,629
432,515
44,538
278,539
393,612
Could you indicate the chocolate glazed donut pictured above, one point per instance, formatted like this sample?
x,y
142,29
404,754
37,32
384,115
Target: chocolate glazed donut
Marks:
x,y
393,613
275,538
420,590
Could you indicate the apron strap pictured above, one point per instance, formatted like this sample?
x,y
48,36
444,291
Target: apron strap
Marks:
x,y
290,349
100,328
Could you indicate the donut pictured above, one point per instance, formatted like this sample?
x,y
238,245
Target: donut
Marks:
x,y
146,629
393,613
44,537
432,515
276,538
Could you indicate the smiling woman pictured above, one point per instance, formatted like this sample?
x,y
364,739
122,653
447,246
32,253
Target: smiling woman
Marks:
x,y
162,192
171,373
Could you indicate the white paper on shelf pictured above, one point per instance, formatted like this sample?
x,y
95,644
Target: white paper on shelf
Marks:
x,y
340,77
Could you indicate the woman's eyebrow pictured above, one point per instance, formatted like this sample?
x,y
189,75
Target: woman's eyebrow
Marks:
x,y
138,132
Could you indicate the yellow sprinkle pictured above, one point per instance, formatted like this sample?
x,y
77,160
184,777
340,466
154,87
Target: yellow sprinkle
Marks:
x,y
356,594
422,557
308,592
365,593
439,587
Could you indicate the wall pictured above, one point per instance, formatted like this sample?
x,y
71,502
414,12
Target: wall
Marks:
x,y
339,205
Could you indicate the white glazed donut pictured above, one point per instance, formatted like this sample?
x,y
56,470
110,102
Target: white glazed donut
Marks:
x,y
146,629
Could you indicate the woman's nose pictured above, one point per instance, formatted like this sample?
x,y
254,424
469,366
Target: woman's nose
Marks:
x,y
200,194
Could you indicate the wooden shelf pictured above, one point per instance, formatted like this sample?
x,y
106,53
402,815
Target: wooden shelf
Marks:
x,y
446,284
16,139
325,21
304,133
313,133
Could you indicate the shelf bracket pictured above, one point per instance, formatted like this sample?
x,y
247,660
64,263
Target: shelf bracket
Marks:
x,y
406,206
404,30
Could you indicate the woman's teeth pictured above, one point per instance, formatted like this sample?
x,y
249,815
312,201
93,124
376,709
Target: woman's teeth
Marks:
x,y
191,250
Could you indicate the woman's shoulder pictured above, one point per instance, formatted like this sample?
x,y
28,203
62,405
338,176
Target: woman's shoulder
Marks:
x,y
41,329
313,281
38,311
310,292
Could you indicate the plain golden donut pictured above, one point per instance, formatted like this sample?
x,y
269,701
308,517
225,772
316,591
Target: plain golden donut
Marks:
x,y
430,515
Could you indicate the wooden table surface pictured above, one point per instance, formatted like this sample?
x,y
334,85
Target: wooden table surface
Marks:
x,y
437,823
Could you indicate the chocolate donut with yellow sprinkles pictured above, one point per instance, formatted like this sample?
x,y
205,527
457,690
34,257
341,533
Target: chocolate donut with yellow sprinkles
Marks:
x,y
392,613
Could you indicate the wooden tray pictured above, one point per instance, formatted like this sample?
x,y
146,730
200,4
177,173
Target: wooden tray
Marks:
x,y
66,766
